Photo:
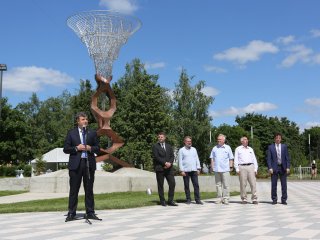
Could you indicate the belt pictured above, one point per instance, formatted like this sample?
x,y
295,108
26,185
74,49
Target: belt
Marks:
x,y
245,164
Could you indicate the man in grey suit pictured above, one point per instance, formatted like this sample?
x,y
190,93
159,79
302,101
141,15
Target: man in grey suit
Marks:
x,y
279,166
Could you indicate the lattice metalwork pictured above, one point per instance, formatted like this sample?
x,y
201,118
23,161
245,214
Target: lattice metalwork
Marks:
x,y
103,32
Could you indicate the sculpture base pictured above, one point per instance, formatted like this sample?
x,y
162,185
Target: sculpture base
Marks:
x,y
114,161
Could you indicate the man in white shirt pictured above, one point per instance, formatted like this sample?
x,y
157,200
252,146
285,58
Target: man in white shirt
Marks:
x,y
246,166
189,166
221,163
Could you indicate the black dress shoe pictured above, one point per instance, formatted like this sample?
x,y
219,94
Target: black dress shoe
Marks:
x,y
92,216
188,201
284,203
70,217
274,202
172,204
163,204
199,202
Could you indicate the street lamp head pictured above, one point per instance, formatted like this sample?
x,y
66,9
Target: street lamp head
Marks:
x,y
3,67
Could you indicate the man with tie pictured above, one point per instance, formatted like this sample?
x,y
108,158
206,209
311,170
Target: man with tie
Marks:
x,y
81,143
163,158
278,161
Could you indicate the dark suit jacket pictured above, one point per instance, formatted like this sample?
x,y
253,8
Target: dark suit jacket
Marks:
x,y
272,158
161,156
72,140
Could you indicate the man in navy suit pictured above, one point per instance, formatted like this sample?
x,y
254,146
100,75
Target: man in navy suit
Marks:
x,y
279,166
81,143
163,159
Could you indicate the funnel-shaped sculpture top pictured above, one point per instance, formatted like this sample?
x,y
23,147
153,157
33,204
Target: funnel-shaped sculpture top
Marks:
x,y
103,32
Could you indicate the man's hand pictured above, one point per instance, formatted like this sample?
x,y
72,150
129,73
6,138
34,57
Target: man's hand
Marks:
x,y
167,164
183,174
198,172
238,173
271,171
82,147
288,171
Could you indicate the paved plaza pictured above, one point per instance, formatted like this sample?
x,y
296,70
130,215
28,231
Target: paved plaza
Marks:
x,y
300,219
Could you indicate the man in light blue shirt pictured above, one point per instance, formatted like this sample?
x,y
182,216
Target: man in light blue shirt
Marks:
x,y
189,166
221,163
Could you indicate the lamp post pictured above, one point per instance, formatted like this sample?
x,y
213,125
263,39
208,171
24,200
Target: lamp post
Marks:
x,y
309,149
3,67
251,131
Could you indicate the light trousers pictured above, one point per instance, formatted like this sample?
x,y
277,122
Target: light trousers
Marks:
x,y
247,174
222,184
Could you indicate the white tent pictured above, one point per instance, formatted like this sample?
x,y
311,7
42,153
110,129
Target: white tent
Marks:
x,y
55,158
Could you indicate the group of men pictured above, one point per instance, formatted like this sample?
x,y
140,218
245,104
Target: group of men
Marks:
x,y
82,144
222,162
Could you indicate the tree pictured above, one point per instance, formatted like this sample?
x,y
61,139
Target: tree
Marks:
x,y
190,114
55,118
15,136
49,121
82,100
314,153
264,129
142,111
233,135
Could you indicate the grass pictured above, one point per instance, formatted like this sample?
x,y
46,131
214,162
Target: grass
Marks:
x,y
7,193
102,201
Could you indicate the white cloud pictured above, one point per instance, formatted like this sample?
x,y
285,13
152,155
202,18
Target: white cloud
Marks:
x,y
156,65
316,59
215,69
251,52
298,53
33,79
313,101
309,125
315,32
210,91
253,107
286,40
122,6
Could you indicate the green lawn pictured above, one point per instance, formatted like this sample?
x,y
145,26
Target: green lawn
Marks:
x,y
7,193
102,201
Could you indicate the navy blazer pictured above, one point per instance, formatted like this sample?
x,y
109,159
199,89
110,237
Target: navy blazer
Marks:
x,y
272,158
161,156
72,140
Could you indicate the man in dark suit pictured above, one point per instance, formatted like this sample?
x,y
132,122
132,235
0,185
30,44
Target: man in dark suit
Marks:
x,y
279,166
163,159
81,143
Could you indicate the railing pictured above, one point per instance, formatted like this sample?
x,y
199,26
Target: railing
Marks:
x,y
302,172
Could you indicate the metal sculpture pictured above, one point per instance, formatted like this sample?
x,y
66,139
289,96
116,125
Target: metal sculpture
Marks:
x,y
104,33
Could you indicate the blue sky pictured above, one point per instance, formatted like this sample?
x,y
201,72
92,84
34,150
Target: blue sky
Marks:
x,y
255,56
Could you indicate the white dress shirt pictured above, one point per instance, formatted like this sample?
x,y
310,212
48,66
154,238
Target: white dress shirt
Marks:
x,y
245,155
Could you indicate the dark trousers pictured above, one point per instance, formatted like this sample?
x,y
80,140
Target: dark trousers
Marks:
x,y
194,179
169,175
76,177
280,172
